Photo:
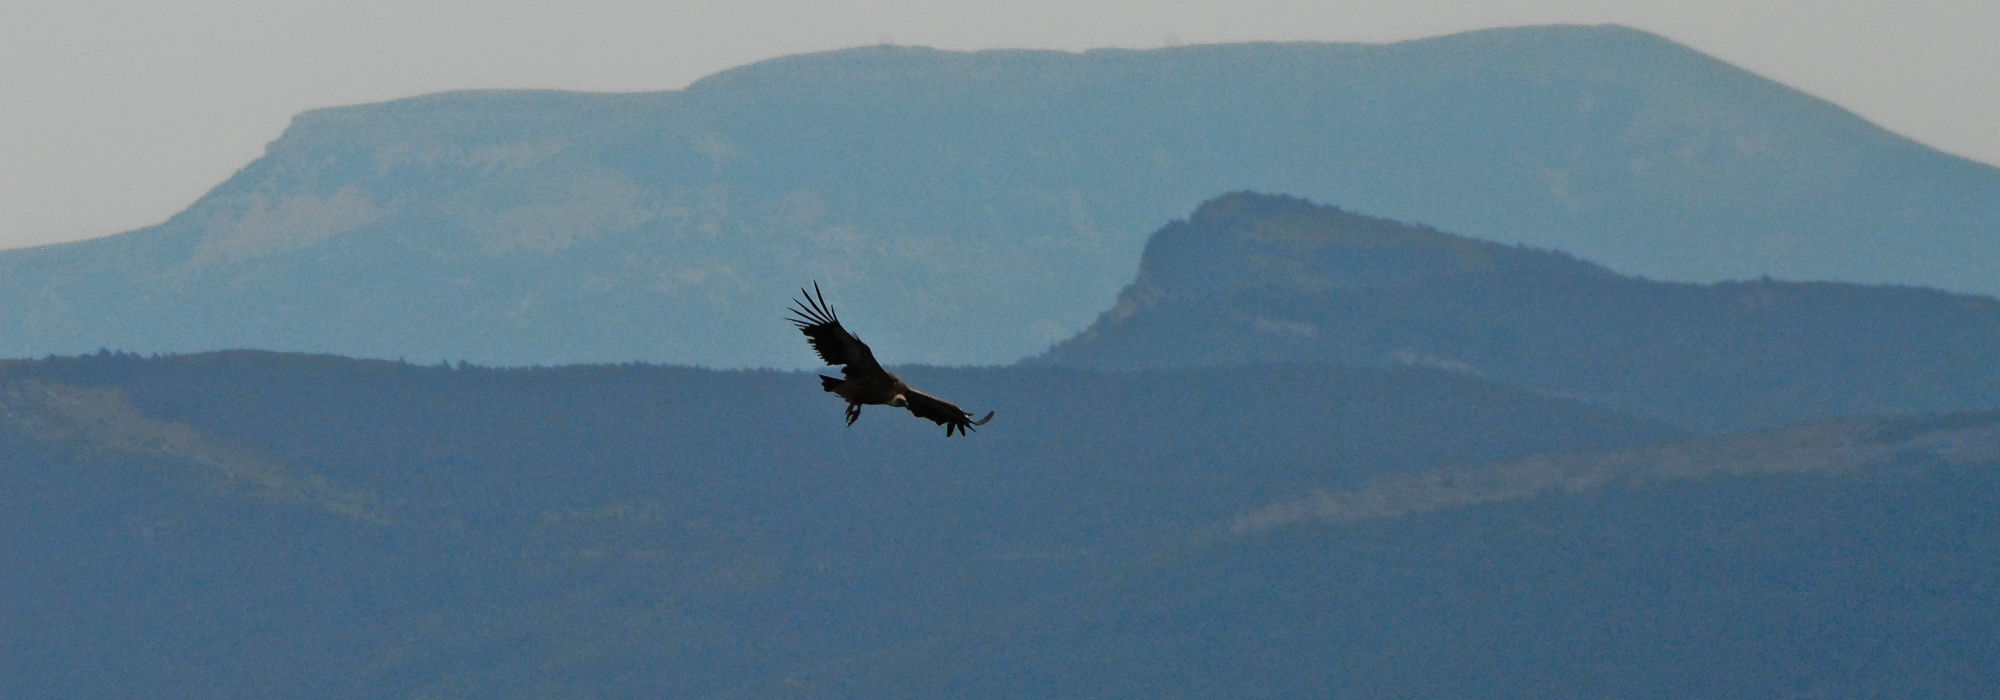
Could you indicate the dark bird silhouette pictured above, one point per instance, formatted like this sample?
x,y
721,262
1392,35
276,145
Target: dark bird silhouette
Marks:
x,y
864,381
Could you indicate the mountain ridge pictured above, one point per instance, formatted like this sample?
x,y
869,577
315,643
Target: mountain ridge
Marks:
x,y
1251,278
993,202
1840,445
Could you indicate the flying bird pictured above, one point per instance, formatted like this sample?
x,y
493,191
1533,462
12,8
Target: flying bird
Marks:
x,y
863,381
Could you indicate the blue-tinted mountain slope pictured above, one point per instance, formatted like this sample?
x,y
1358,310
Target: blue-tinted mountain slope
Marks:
x,y
1254,278
979,206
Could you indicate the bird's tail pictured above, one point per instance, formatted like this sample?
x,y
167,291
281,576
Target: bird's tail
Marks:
x,y
828,383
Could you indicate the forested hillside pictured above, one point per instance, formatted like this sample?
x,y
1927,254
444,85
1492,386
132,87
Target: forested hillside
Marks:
x,y
251,525
1252,278
256,524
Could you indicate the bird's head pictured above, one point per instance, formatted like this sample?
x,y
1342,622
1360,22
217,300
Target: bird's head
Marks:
x,y
899,402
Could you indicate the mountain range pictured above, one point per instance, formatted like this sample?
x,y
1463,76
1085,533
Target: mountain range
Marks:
x,y
1536,425
982,205
1395,500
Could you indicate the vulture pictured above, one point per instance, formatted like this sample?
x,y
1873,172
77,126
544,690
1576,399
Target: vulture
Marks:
x,y
863,381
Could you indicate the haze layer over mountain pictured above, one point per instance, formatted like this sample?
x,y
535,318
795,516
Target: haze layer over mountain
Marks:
x,y
974,207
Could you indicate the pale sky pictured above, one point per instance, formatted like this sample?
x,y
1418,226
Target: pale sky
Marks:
x,y
114,114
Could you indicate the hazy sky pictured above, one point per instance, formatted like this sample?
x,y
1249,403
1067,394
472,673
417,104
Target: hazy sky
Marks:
x,y
114,114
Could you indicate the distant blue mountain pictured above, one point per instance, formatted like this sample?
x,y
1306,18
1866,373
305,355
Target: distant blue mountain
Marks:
x,y
976,207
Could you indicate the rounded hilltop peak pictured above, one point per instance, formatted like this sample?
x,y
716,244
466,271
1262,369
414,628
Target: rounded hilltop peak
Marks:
x,y
1566,42
884,64
1249,239
1239,205
1600,32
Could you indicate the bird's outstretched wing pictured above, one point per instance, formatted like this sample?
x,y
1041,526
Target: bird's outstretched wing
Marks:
x,y
942,412
833,343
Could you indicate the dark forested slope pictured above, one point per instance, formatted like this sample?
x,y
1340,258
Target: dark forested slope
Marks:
x,y
254,524
1254,278
1878,584
247,524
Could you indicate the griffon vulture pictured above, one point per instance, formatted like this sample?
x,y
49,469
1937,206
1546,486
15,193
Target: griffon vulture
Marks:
x,y
865,382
